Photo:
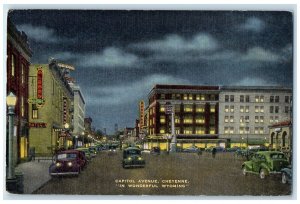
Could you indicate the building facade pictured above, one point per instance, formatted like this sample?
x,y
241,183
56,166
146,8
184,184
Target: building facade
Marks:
x,y
50,109
207,116
196,115
246,112
17,69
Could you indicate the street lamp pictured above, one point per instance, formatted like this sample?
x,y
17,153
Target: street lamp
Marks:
x,y
66,126
82,138
11,101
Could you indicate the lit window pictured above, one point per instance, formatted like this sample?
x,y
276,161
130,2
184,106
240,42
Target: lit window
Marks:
x,y
188,120
162,131
271,119
34,111
276,119
261,119
198,97
212,131
188,108
231,130
177,120
261,130
231,119
247,109
226,130
241,130
247,119
190,97
226,119
256,119
185,97
202,97
12,65
212,109
200,120
242,109
262,109
231,109
256,109
162,109
226,109
188,131
22,107
177,131
247,130
242,119
199,109
261,99
22,74
256,130
200,131
162,119
256,99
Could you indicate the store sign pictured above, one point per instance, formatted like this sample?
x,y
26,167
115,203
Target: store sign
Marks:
x,y
65,110
37,125
39,83
142,113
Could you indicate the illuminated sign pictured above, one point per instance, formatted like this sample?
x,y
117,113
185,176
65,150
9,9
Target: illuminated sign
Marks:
x,y
39,83
142,112
66,66
65,108
37,125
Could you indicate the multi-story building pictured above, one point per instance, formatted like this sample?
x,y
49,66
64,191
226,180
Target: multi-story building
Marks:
x,y
17,69
246,112
50,112
196,115
214,115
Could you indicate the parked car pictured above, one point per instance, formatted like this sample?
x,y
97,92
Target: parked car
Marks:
x,y
191,149
86,152
93,151
155,151
112,150
286,175
69,162
132,157
265,163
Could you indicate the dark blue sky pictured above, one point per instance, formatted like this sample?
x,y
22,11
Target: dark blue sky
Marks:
x,y
120,55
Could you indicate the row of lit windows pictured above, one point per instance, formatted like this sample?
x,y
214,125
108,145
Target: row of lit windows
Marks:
x,y
13,68
245,119
188,109
189,131
197,97
258,109
244,130
258,99
186,120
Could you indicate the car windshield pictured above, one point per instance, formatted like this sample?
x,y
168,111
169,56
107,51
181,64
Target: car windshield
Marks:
x,y
67,156
277,156
133,151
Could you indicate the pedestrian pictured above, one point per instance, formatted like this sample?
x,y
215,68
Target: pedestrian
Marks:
x,y
214,151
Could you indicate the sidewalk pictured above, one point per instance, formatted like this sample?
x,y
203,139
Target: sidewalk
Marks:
x,y
35,174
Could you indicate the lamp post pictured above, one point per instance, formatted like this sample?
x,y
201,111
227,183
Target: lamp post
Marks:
x,y
66,126
11,101
82,138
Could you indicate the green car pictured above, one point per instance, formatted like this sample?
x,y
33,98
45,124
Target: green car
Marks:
x,y
265,163
132,157
86,152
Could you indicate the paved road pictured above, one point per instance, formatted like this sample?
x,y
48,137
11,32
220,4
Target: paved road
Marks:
x,y
174,174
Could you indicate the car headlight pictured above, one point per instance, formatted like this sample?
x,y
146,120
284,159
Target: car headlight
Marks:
x,y
58,164
70,164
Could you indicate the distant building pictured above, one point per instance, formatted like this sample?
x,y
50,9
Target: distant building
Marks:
x,y
281,136
17,69
50,108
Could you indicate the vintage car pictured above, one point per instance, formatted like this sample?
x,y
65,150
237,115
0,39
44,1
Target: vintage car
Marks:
x,y
69,162
286,175
132,157
155,151
265,163
191,149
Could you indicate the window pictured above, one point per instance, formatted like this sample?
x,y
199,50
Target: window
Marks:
x,y
262,109
256,99
188,120
188,131
276,119
247,130
13,65
271,99
178,96
34,112
162,119
198,97
231,98
242,119
241,109
271,109
188,108
256,119
261,119
22,74
242,98
22,107
276,109
185,97
226,130
247,98
287,99
271,119
200,108
276,99
162,96
212,109
241,130
286,109
246,109
202,97
200,120
173,96
256,109
262,99
177,119
177,131
226,119
231,109
226,109
200,131
177,108
226,98
190,97
261,130
247,119
162,109
231,130
162,131
256,130
212,131
231,119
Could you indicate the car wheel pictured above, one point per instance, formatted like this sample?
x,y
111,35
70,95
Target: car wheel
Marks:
x,y
262,173
244,171
284,178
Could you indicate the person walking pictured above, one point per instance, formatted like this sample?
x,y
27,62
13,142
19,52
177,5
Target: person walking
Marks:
x,y
213,152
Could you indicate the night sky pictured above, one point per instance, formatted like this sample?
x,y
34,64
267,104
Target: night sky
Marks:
x,y
120,55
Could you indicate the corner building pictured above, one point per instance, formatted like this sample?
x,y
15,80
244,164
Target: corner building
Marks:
x,y
196,116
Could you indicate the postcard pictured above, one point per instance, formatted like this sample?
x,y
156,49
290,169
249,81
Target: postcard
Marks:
x,y
149,102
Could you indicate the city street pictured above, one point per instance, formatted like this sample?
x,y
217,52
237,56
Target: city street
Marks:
x,y
173,174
